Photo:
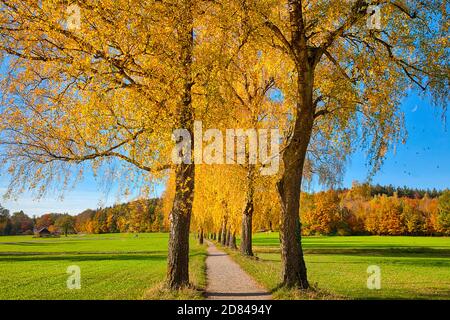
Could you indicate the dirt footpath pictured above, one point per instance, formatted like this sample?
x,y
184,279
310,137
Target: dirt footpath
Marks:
x,y
227,280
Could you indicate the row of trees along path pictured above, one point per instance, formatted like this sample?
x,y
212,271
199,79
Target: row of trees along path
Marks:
x,y
107,90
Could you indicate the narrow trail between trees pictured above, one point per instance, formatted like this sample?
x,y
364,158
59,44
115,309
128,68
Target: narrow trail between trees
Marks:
x,y
227,281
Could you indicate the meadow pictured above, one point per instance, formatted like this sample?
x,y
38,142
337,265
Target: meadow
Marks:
x,y
113,266
411,267
129,266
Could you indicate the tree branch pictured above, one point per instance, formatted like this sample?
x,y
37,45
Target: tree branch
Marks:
x,y
336,64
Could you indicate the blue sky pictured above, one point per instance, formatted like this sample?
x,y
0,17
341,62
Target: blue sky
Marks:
x,y
422,162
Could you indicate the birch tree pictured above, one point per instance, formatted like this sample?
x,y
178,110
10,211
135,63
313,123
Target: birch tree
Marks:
x,y
99,84
348,72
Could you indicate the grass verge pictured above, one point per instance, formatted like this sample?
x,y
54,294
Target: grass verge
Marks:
x,y
411,267
112,266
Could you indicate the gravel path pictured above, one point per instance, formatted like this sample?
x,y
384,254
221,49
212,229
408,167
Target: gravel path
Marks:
x,y
227,281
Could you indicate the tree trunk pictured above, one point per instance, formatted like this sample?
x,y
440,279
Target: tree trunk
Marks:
x,y
289,186
219,236
246,234
228,242
178,256
233,241
247,215
224,232
180,216
227,237
200,239
293,264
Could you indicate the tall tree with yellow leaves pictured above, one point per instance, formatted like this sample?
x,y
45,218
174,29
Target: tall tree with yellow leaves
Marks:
x,y
97,82
247,87
347,69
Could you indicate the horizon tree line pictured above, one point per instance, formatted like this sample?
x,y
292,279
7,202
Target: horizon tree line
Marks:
x,y
360,210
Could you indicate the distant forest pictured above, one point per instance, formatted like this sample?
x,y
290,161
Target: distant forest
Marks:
x,y
390,190
376,210
136,216
362,209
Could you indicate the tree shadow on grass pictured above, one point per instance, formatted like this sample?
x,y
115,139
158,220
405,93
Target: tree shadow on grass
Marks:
x,y
388,252
404,259
405,294
37,243
417,252
413,263
84,257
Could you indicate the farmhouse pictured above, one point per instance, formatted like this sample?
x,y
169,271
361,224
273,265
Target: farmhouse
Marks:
x,y
42,232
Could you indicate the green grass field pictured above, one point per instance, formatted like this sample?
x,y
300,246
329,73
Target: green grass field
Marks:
x,y
113,266
123,266
411,267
